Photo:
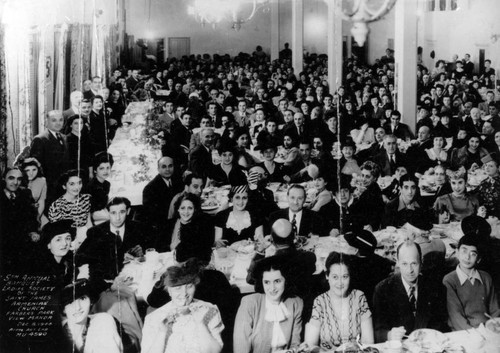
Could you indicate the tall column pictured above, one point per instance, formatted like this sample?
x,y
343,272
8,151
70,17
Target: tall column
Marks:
x,y
335,45
275,30
405,45
297,36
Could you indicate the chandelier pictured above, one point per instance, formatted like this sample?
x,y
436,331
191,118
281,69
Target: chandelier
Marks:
x,y
361,12
215,11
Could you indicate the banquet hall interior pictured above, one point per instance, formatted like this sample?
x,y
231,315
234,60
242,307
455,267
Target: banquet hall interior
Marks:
x,y
250,176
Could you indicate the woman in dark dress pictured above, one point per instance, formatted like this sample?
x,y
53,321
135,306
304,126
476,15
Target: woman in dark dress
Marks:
x,y
237,223
470,154
79,145
273,169
191,232
98,125
228,172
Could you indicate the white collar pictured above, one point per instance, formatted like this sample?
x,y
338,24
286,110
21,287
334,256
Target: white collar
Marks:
x,y
462,276
113,230
408,286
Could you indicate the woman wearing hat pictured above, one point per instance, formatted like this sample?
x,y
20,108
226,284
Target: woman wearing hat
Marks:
x,y
489,189
321,180
54,255
437,154
274,169
271,319
237,223
349,164
228,172
95,333
184,324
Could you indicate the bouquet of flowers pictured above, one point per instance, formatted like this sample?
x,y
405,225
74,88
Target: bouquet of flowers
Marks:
x,y
153,133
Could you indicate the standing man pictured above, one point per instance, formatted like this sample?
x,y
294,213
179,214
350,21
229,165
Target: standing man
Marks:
x,y
51,150
76,98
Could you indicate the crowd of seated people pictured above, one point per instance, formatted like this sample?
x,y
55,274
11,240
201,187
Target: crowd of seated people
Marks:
x,y
266,124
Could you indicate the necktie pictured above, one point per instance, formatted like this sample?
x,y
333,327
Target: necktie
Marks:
x,y
392,163
169,183
294,225
412,300
59,138
12,196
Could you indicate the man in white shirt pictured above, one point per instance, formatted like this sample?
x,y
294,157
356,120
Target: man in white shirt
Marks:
x,y
304,222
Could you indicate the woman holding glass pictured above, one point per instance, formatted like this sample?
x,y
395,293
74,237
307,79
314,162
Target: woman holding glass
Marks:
x,y
184,324
237,223
271,319
340,315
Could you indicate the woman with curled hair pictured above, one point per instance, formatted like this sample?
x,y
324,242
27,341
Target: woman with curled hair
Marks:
x,y
368,204
184,324
32,170
72,205
340,315
191,232
271,319
237,223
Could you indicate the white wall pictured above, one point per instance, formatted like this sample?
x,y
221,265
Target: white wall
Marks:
x,y
466,30
170,19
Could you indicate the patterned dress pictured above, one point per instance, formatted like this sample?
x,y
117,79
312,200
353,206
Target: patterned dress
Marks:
x,y
336,330
78,210
489,194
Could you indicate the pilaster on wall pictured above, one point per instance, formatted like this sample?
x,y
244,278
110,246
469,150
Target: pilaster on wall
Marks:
x,y
405,44
297,36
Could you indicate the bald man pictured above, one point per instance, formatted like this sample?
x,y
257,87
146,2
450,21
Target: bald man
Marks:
x,y
51,150
75,99
158,193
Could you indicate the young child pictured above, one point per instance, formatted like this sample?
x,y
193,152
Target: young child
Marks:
x,y
99,187
470,294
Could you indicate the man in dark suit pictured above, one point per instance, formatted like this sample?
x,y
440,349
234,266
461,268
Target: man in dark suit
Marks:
x,y
304,221
298,130
374,149
51,150
110,243
390,158
106,248
200,158
158,193
18,221
407,301
416,152
398,129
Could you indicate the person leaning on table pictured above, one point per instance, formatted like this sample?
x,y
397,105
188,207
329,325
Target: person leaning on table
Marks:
x,y
407,301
